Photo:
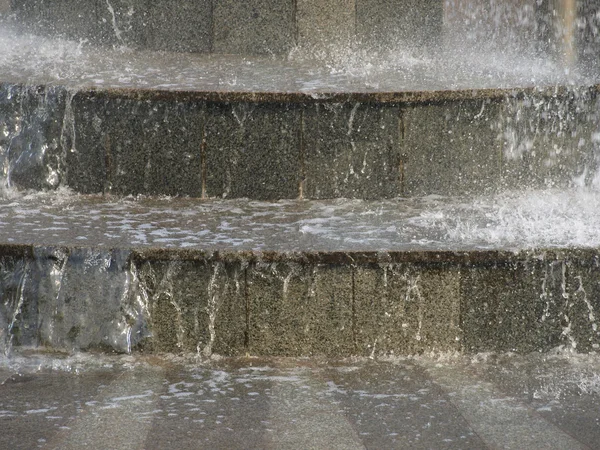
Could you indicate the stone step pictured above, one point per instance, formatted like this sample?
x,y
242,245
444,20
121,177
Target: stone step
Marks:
x,y
270,146
122,122
300,278
216,127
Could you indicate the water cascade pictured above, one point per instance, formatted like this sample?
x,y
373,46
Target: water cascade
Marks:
x,y
322,178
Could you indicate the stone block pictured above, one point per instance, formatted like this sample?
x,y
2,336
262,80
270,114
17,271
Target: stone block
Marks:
x,y
71,19
165,322
280,310
85,300
580,311
588,45
403,310
252,150
451,149
300,310
31,144
142,147
195,306
227,300
512,306
120,23
184,26
87,154
351,151
398,23
325,23
254,26
548,142
475,23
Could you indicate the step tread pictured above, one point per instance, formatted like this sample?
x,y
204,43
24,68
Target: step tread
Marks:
x,y
30,59
509,221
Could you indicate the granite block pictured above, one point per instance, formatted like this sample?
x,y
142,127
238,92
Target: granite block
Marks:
x,y
403,310
580,305
195,306
18,304
155,279
280,310
300,310
395,23
588,45
512,306
325,24
548,142
185,26
143,147
351,151
254,26
88,152
121,23
451,149
332,325
252,151
71,19
84,301
227,298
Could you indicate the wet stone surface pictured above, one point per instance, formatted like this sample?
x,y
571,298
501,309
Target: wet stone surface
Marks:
x,y
131,147
53,401
509,221
32,59
300,278
351,151
252,151
156,123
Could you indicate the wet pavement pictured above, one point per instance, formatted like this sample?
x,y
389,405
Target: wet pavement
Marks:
x,y
486,401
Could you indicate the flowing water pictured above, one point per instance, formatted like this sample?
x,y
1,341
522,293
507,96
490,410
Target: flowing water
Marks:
x,y
513,220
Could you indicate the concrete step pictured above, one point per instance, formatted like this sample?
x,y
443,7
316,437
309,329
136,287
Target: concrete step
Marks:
x,y
300,278
230,127
489,402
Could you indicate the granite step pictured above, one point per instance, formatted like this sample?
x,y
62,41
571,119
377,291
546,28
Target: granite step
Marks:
x,y
150,123
366,126
345,278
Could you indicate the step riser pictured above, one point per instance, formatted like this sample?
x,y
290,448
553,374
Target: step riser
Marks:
x,y
275,27
285,146
226,26
298,305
